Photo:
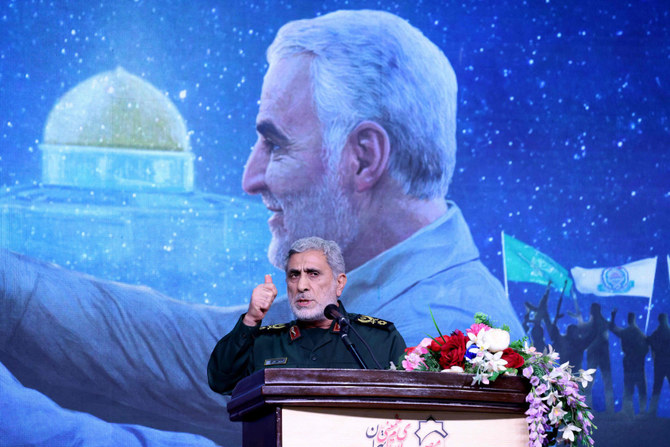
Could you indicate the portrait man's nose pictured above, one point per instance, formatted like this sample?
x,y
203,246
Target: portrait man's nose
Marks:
x,y
253,178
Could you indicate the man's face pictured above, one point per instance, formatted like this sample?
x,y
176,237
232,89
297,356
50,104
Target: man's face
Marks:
x,y
287,165
311,286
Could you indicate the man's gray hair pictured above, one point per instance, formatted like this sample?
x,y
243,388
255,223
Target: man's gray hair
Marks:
x,y
373,65
330,249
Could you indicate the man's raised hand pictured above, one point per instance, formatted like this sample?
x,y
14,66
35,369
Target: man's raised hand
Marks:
x,y
261,300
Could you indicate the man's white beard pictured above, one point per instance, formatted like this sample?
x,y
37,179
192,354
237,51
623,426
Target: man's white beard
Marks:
x,y
315,314
324,211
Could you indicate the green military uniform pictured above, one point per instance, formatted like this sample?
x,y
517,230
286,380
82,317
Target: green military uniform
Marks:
x,y
248,349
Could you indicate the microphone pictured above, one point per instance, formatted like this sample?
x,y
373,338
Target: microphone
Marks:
x,y
332,312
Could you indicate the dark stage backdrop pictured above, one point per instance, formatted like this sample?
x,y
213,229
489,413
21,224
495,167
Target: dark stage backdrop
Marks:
x,y
563,143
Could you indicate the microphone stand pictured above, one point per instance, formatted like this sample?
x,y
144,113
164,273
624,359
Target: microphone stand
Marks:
x,y
344,334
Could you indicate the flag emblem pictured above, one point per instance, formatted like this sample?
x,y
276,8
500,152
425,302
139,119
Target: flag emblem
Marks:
x,y
615,280
633,279
525,263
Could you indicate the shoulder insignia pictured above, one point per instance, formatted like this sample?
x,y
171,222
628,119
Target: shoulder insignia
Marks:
x,y
273,328
372,321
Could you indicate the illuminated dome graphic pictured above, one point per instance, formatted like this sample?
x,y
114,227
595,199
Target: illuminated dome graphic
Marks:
x,y
116,130
116,109
117,199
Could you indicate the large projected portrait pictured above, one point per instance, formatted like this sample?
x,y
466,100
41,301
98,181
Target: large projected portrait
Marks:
x,y
159,159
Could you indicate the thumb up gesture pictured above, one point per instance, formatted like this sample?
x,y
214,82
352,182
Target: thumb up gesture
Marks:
x,y
261,300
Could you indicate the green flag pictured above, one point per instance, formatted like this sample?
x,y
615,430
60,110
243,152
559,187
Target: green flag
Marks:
x,y
526,264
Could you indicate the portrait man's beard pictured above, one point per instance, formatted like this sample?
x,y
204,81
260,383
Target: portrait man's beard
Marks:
x,y
324,211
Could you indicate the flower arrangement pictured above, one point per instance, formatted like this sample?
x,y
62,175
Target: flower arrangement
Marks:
x,y
556,407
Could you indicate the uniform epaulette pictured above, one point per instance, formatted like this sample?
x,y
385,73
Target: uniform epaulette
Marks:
x,y
372,321
274,328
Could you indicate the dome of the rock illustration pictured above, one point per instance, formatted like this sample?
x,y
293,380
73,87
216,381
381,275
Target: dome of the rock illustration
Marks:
x,y
117,199
116,109
116,131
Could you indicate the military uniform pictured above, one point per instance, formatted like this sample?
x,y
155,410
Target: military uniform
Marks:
x,y
248,349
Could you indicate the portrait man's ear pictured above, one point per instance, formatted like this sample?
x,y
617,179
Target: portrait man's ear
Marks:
x,y
366,155
341,282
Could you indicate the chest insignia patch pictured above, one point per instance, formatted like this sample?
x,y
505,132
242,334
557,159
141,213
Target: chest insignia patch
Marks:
x,y
277,361
294,332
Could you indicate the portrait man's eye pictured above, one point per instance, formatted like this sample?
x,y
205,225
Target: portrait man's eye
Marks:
x,y
271,146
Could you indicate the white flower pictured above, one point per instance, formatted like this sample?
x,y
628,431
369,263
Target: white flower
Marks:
x,y
494,362
569,432
558,372
453,369
476,339
495,340
480,377
585,376
553,355
552,398
556,414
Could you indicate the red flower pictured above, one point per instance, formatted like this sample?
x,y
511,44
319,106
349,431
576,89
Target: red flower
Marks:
x,y
514,360
452,349
437,343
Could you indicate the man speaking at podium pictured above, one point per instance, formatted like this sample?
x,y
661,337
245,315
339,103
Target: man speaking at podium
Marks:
x,y
315,280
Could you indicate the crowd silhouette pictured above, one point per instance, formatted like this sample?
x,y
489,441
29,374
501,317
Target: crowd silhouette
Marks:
x,y
635,346
585,344
659,341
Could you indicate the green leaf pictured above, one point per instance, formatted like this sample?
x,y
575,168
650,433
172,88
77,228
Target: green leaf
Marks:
x,y
519,344
434,322
481,317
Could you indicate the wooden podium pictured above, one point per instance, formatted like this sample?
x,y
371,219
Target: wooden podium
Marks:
x,y
356,408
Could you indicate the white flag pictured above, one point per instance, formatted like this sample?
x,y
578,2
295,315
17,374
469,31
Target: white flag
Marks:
x,y
634,279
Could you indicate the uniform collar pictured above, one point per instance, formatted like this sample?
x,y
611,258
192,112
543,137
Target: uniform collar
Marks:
x,y
335,326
